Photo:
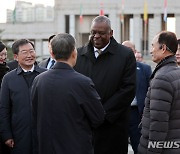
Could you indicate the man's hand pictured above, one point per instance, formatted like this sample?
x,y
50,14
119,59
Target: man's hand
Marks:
x,y
10,143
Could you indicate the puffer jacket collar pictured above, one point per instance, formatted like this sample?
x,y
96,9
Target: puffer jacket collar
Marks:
x,y
167,60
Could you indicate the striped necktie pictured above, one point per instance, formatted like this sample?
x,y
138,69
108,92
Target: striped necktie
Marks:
x,y
99,51
52,63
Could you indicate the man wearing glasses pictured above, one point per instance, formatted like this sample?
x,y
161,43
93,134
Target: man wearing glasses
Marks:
x,y
112,67
49,62
15,106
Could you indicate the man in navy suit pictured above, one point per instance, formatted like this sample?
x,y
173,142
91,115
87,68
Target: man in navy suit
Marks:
x,y
15,100
49,62
143,73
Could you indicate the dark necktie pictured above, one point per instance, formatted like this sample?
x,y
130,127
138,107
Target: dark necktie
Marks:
x,y
52,63
27,73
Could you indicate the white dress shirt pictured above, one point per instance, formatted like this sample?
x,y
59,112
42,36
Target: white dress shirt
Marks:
x,y
96,53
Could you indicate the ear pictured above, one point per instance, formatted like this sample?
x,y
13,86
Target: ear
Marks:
x,y
49,44
15,57
111,33
73,57
74,54
51,53
163,48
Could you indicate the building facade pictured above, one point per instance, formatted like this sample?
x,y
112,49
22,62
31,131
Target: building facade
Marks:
x,y
26,12
126,20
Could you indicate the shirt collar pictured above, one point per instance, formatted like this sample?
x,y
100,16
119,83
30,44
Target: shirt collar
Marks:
x,y
50,62
31,70
52,59
95,49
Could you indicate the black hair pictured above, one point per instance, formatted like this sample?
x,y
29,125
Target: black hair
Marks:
x,y
2,46
51,37
169,39
17,43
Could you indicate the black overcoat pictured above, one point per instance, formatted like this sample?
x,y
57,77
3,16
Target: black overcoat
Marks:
x,y
65,107
15,110
114,76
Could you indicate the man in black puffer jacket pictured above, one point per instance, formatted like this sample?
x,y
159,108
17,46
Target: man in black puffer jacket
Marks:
x,y
161,116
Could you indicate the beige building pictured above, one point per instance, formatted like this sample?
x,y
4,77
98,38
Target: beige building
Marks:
x,y
67,20
27,12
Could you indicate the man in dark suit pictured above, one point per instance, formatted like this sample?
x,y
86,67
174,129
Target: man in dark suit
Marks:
x,y
143,73
15,101
112,67
65,114
49,62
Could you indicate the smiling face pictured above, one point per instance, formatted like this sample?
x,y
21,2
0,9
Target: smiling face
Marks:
x,y
3,56
26,56
100,34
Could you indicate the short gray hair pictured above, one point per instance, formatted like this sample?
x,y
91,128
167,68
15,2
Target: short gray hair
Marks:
x,y
102,19
63,45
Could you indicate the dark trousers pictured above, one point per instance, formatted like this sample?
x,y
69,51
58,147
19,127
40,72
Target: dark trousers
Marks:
x,y
133,130
111,138
4,149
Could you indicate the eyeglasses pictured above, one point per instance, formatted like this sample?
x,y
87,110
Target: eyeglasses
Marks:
x,y
100,33
27,52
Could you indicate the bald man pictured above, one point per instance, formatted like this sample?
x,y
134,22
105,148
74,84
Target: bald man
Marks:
x,y
138,56
143,73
